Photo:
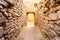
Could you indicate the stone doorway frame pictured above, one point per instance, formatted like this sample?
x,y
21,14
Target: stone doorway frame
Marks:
x,y
27,14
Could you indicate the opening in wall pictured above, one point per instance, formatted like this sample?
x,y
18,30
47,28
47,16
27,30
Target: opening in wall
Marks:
x,y
30,19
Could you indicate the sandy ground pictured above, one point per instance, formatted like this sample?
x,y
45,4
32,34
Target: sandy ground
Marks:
x,y
32,33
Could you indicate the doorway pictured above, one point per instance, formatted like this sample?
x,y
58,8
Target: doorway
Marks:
x,y
30,19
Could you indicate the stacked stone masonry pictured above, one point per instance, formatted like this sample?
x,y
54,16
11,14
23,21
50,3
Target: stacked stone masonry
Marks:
x,y
49,19
11,19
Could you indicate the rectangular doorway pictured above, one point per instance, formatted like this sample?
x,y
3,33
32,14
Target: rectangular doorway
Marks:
x,y
30,19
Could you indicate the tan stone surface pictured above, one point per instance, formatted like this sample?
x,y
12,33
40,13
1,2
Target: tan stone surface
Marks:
x,y
48,13
11,18
30,33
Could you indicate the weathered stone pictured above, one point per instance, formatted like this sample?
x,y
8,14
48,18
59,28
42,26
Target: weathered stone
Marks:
x,y
2,2
2,38
53,16
57,38
1,7
2,18
58,13
50,29
11,18
10,1
1,31
58,22
11,31
6,14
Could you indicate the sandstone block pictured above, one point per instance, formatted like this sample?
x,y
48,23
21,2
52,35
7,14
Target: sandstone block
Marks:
x,y
1,7
10,1
58,13
2,18
2,38
2,2
53,16
1,31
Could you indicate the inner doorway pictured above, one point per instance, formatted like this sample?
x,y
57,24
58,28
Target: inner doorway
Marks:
x,y
30,19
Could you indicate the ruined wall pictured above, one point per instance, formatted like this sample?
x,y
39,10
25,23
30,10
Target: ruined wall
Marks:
x,y
11,19
49,19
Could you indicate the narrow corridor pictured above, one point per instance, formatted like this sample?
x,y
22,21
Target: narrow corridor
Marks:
x,y
30,33
29,19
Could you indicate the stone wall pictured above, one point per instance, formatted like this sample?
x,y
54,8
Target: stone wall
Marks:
x,y
11,19
49,19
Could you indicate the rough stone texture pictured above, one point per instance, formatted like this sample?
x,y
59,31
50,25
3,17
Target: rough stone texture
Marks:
x,y
1,32
53,16
11,19
49,19
2,38
58,14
